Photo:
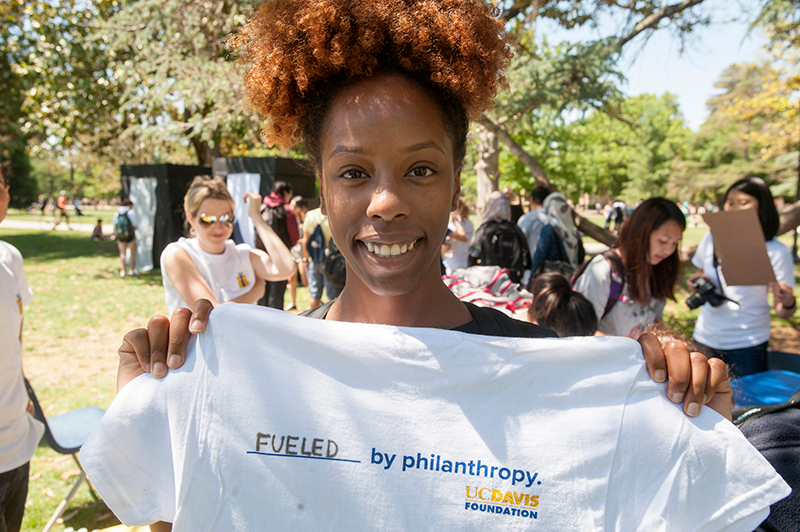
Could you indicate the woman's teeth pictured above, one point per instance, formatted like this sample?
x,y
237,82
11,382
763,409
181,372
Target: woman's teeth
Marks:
x,y
385,250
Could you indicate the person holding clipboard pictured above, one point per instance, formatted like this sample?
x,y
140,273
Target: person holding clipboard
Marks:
x,y
734,322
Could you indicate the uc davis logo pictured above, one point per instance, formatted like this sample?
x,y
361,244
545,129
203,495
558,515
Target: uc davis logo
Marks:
x,y
494,501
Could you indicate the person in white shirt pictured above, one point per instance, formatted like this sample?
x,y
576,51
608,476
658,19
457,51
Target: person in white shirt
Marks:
x,y
388,192
19,432
209,265
738,330
455,250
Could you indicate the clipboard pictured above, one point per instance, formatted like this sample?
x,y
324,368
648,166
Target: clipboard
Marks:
x,y
740,247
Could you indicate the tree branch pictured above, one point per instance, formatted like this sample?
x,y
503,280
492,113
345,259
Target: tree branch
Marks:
x,y
584,225
651,21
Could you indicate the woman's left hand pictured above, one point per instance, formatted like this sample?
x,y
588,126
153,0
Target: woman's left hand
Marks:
x,y
783,295
694,380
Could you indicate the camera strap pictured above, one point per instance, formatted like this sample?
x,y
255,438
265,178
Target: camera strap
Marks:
x,y
719,280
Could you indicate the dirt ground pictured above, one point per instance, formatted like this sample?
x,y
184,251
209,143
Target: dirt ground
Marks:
x,y
785,338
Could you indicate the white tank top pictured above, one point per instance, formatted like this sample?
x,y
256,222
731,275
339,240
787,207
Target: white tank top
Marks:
x,y
229,274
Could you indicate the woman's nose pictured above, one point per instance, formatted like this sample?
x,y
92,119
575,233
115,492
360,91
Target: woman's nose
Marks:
x,y
387,203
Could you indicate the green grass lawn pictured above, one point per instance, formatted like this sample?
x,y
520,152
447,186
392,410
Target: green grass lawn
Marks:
x,y
80,311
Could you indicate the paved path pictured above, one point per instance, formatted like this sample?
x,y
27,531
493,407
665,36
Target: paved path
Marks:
x,y
45,225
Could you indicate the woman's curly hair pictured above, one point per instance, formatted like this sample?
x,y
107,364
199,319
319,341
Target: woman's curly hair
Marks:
x,y
301,53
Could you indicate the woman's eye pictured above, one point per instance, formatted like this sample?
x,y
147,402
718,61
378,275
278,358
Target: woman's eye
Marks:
x,y
421,171
354,174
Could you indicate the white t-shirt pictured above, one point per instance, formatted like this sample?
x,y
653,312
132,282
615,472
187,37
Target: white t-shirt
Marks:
x,y
628,317
289,423
19,432
229,274
458,254
732,326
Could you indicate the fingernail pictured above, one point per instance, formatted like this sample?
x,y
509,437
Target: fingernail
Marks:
x,y
693,409
660,375
194,326
174,362
677,397
706,399
159,370
147,368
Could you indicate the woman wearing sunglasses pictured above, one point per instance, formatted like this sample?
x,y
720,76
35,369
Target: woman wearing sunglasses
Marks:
x,y
209,265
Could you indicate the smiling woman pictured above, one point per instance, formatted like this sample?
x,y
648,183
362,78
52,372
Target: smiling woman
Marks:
x,y
210,266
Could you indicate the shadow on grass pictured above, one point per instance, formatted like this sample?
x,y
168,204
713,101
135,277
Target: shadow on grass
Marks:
x,y
51,245
91,516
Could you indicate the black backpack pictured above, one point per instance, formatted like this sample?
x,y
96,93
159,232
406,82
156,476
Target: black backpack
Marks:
x,y
275,217
775,431
334,268
501,243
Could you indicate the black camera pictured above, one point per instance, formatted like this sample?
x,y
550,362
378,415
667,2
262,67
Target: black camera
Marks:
x,y
706,293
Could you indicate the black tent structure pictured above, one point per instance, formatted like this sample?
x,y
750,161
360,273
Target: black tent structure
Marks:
x,y
157,191
257,174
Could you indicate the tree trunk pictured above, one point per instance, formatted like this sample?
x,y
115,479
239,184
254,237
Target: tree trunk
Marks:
x,y
487,167
204,151
790,217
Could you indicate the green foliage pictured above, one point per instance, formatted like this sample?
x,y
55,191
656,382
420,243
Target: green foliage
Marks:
x,y
629,154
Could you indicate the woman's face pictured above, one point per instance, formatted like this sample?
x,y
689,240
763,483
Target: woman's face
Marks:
x,y
388,184
664,240
739,201
212,237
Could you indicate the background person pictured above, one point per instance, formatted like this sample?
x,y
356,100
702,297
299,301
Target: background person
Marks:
x,y
534,221
61,210
316,281
19,432
125,224
648,251
556,306
276,213
455,251
97,232
209,265
498,241
738,333
299,207
559,248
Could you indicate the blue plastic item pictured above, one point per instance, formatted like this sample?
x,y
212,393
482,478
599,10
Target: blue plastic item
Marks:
x,y
766,388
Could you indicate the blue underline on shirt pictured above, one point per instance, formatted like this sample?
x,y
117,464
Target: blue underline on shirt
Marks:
x,y
305,456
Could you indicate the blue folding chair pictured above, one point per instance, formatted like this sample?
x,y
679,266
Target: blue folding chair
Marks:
x,y
66,433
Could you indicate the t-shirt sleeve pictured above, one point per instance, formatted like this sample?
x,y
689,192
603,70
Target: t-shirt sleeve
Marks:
x,y
595,284
783,264
677,473
19,273
705,247
131,456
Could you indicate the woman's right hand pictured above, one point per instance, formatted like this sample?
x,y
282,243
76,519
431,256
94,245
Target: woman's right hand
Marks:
x,y
162,344
694,277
